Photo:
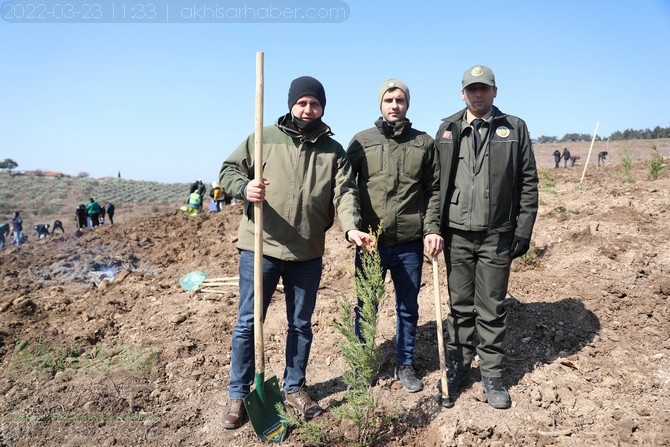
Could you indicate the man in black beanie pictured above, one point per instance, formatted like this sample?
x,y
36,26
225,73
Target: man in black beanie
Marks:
x,y
306,178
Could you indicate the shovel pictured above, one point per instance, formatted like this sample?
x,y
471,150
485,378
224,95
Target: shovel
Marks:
x,y
265,400
196,280
444,397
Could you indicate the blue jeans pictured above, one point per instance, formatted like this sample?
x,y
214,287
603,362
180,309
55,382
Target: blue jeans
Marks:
x,y
405,262
18,237
301,282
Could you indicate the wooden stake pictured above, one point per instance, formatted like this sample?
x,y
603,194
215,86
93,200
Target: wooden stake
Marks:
x,y
595,132
221,283
224,278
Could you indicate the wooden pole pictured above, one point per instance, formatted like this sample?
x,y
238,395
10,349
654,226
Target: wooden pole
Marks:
x,y
258,232
445,398
595,132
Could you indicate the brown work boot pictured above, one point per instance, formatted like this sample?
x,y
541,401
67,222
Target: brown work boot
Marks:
x,y
304,404
234,417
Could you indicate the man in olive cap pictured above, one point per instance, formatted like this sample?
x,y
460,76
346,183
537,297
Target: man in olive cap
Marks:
x,y
306,177
398,177
488,203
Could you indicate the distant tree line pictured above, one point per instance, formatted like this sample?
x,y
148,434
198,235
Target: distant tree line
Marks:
x,y
628,134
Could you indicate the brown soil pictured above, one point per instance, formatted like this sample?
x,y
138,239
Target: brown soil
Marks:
x,y
101,346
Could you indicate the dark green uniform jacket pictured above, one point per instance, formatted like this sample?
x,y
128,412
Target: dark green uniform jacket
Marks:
x,y
398,177
512,181
310,177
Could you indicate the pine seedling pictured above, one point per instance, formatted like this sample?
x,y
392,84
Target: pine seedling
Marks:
x,y
361,353
656,164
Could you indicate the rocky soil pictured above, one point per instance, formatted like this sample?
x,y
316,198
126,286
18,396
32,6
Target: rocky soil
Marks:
x,y
100,346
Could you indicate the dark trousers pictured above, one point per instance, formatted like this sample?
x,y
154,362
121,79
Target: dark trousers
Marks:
x,y
478,266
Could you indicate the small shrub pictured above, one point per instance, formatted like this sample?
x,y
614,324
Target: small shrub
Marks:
x,y
546,181
626,164
560,213
309,432
530,260
656,164
83,174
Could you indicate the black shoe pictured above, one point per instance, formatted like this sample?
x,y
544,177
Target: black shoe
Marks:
x,y
496,393
454,380
408,378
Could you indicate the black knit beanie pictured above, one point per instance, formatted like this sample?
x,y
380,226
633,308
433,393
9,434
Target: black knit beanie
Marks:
x,y
306,85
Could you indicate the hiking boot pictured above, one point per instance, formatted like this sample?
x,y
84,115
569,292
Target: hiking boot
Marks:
x,y
455,379
496,393
303,404
408,378
234,417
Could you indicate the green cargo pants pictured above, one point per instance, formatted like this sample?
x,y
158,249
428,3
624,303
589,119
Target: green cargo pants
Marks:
x,y
478,267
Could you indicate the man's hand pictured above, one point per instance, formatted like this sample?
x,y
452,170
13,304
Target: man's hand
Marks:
x,y
519,247
433,244
255,190
361,239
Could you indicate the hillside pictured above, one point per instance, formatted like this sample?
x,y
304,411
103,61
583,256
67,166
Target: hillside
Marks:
x,y
44,199
100,346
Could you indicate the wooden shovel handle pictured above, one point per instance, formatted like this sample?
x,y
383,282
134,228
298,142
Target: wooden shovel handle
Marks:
x,y
440,335
258,221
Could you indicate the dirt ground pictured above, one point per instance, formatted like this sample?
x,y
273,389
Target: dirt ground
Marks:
x,y
100,346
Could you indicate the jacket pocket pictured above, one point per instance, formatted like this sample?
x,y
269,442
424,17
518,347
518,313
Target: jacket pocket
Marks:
x,y
455,195
374,157
412,163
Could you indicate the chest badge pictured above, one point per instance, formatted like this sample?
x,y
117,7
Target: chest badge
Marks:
x,y
447,135
502,132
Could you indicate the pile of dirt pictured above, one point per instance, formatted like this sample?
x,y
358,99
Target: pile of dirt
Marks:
x,y
101,346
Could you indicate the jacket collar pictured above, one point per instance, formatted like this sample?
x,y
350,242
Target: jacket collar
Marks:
x,y
458,116
285,125
395,130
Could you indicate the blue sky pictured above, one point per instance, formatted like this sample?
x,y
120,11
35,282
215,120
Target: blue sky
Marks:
x,y
169,101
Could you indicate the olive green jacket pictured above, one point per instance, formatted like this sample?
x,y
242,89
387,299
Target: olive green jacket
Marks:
x,y
512,183
398,177
310,177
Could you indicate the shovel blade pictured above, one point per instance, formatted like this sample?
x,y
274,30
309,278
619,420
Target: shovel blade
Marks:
x,y
261,405
192,280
